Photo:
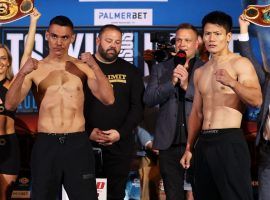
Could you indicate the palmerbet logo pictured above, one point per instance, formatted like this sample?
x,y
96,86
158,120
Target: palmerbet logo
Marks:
x,y
123,15
142,17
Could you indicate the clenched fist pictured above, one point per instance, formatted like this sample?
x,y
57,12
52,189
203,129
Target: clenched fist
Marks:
x,y
88,59
30,65
225,78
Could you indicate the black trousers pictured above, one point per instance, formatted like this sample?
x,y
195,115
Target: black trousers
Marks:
x,y
116,169
63,159
222,166
172,172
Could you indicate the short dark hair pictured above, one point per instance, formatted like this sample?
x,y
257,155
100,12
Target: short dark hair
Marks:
x,y
187,26
109,26
62,21
220,18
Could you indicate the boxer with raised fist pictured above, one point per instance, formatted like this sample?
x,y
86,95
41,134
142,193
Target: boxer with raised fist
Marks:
x,y
62,153
223,87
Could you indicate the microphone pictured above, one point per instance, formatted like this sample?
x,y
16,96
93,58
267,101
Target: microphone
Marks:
x,y
180,58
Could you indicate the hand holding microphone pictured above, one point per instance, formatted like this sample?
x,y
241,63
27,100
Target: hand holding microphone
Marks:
x,y
180,72
180,58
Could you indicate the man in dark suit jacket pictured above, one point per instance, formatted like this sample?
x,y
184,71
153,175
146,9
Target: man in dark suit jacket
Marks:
x,y
171,87
263,135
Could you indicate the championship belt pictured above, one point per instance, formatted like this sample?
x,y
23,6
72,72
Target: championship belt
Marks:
x,y
11,10
258,14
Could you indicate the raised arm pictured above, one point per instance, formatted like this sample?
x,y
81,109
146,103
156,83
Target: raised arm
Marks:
x,y
245,48
21,85
29,44
194,122
244,24
97,81
246,86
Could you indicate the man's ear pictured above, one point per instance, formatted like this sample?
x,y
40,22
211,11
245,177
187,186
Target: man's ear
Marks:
x,y
73,37
229,37
47,34
97,41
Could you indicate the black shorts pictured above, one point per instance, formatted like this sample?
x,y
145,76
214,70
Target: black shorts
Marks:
x,y
9,154
66,159
222,166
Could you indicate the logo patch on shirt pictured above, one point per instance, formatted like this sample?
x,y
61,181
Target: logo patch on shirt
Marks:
x,y
117,78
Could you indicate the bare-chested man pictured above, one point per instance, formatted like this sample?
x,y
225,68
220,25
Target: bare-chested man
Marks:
x,y
222,87
62,152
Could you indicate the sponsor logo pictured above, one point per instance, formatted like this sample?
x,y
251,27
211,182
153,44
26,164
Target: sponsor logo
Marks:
x,y
100,185
21,194
24,180
130,17
117,78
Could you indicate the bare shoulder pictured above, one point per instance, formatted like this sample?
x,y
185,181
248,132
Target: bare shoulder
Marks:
x,y
83,67
75,60
41,65
42,62
202,68
245,71
198,72
239,61
241,64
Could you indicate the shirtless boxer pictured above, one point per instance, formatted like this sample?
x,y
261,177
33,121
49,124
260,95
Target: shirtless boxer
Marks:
x,y
222,87
62,152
